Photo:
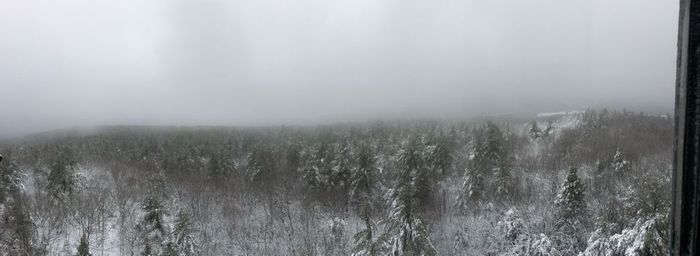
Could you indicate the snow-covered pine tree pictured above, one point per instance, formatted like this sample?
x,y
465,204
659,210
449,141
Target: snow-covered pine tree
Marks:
x,y
498,162
409,160
475,175
548,130
439,165
407,232
364,240
293,158
438,156
570,200
571,214
341,170
495,144
18,230
645,237
83,246
325,154
520,241
153,227
489,164
604,118
647,196
601,178
648,201
413,157
504,183
423,180
215,167
619,163
61,179
10,182
308,167
610,218
364,173
367,242
260,165
534,132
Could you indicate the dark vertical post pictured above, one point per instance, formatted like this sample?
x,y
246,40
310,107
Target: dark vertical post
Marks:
x,y
686,182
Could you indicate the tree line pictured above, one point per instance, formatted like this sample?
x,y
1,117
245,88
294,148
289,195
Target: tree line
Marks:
x,y
596,182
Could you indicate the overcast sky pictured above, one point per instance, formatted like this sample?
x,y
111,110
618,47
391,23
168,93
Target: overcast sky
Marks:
x,y
272,62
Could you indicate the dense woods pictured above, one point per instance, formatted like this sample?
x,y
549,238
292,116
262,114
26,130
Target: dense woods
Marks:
x,y
585,183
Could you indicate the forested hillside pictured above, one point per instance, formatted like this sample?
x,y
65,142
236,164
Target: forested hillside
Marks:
x,y
583,183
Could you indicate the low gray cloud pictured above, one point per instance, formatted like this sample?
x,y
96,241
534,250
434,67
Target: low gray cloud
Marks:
x,y
271,62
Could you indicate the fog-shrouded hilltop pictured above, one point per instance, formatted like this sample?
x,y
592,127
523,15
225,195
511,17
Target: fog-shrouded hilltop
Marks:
x,y
592,182
77,63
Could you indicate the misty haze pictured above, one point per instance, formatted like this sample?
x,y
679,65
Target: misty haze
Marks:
x,y
326,127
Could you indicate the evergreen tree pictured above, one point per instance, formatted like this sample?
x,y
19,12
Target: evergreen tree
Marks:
x,y
84,246
261,165
439,156
475,175
155,211
504,182
570,200
341,171
645,237
324,166
489,164
309,169
153,227
499,162
215,167
61,179
412,160
548,130
367,243
620,164
535,132
409,234
495,145
293,158
20,229
364,175
571,215
10,182
601,178
647,196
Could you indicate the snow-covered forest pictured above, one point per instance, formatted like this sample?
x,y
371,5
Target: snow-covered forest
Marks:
x,y
573,183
